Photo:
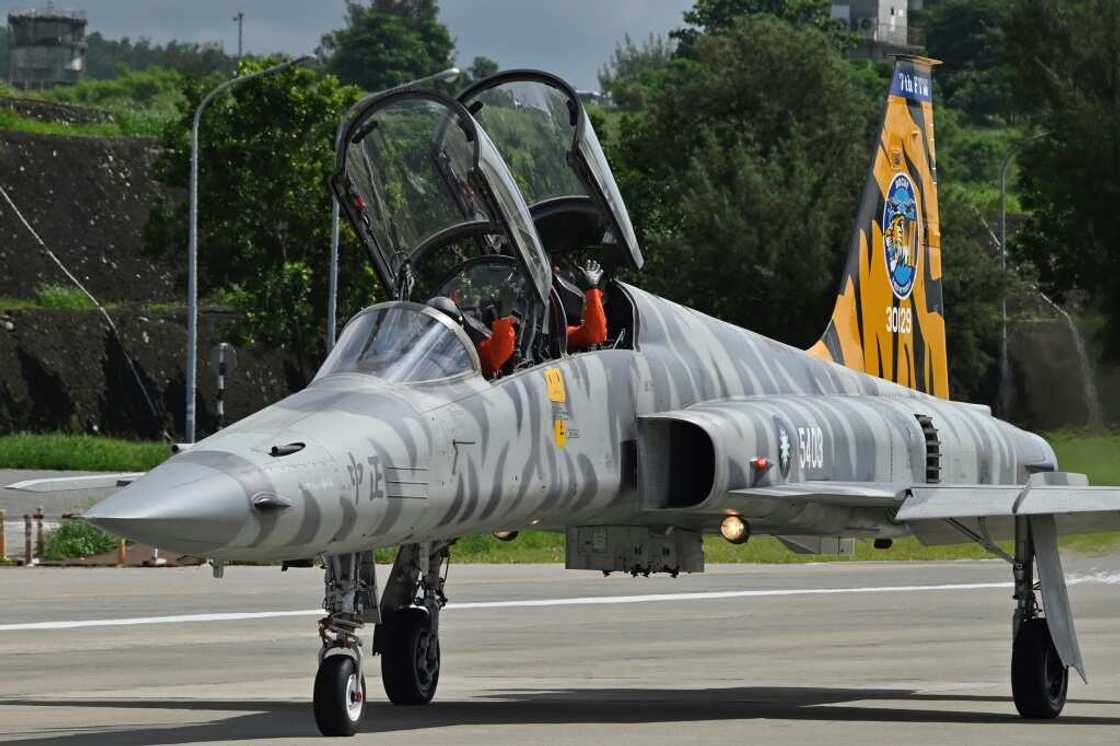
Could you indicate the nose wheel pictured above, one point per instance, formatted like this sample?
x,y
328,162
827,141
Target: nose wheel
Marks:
x,y
340,696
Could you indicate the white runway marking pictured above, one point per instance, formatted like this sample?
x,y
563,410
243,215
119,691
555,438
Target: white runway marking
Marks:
x,y
518,604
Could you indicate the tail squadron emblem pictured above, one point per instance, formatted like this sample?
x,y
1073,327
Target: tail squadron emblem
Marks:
x,y
901,235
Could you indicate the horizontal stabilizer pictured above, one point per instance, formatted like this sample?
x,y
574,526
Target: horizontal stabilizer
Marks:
x,y
953,513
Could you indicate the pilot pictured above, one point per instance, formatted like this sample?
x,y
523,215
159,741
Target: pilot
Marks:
x,y
593,329
495,350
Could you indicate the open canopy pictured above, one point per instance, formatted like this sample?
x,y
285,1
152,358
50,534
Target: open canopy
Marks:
x,y
415,174
539,125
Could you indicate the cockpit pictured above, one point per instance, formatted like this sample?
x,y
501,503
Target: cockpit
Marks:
x,y
402,342
495,205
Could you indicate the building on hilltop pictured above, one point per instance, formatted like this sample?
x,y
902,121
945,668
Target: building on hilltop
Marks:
x,y
46,47
881,26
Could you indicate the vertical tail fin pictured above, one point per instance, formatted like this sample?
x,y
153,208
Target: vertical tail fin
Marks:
x,y
889,319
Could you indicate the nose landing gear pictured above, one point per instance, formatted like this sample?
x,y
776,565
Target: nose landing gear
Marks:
x,y
406,634
350,602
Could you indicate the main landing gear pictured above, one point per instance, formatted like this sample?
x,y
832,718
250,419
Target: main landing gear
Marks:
x,y
406,634
1039,667
1039,678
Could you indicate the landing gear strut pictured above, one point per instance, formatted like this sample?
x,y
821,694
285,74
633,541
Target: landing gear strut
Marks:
x,y
406,634
350,602
1039,678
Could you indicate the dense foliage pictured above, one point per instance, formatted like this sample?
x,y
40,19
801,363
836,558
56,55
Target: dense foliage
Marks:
x,y
744,191
388,42
108,58
1067,57
74,539
266,151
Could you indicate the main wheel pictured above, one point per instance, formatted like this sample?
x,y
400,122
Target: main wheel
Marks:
x,y
410,658
1039,680
340,696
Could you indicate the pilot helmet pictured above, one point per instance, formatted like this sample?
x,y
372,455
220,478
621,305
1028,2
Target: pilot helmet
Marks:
x,y
445,305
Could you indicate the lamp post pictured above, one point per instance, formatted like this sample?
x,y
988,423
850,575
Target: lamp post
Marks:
x,y
1004,363
192,246
443,76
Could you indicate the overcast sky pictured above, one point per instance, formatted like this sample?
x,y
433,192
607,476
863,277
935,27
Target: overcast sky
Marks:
x,y
570,37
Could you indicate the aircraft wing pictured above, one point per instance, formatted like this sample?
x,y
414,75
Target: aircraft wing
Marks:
x,y
848,494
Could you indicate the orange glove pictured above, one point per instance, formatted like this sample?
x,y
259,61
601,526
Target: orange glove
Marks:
x,y
593,330
498,349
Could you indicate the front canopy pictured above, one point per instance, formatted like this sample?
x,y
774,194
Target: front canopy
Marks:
x,y
415,175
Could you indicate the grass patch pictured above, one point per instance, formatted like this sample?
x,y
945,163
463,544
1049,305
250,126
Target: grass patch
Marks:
x,y
62,297
136,124
535,547
16,304
1095,454
77,539
79,453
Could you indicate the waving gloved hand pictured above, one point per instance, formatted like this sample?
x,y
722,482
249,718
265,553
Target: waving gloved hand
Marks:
x,y
589,275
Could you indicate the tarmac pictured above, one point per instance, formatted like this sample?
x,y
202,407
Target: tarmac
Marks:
x,y
797,654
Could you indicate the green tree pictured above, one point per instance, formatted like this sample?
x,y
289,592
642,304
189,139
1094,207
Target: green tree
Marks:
x,y
107,58
481,67
3,54
967,35
715,16
744,190
387,43
634,70
1067,55
267,149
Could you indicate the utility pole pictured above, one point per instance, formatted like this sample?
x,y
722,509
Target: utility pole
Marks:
x,y
192,241
240,18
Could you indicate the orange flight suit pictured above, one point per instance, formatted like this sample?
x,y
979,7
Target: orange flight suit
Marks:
x,y
593,330
498,348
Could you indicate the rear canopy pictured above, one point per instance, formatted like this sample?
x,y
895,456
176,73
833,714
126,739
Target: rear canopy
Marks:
x,y
539,125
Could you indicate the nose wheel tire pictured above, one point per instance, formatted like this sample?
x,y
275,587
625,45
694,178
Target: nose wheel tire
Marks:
x,y
1039,680
410,658
340,696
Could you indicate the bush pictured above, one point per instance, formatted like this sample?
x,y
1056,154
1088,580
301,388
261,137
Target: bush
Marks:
x,y
62,297
77,539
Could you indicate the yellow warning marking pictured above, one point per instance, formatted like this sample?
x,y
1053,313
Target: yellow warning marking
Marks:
x,y
555,381
560,432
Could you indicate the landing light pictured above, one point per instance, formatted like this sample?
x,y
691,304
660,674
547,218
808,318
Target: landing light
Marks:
x,y
735,529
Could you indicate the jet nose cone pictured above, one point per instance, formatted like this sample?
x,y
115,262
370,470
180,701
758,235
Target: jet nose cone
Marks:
x,y
183,507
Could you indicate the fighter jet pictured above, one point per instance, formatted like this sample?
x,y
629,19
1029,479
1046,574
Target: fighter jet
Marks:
x,y
481,216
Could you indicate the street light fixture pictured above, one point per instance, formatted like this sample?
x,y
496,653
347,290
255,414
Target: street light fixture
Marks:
x,y
192,247
443,76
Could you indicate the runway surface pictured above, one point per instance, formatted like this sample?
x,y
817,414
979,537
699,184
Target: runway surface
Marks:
x,y
830,653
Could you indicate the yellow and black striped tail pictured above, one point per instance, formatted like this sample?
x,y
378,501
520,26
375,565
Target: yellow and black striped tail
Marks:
x,y
889,319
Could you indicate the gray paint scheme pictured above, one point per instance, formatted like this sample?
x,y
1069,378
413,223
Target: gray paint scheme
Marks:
x,y
386,464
